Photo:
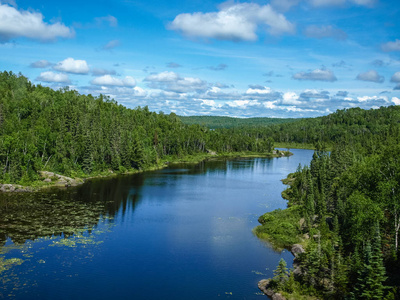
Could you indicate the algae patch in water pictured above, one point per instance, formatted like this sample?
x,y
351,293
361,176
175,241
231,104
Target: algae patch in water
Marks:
x,y
30,223
5,264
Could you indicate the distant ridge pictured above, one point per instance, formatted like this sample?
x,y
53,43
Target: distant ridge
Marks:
x,y
215,122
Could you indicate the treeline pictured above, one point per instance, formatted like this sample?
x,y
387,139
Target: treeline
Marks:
x,y
353,125
347,209
214,122
73,134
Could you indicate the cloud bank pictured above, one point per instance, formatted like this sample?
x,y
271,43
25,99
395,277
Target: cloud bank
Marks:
x,y
21,23
233,22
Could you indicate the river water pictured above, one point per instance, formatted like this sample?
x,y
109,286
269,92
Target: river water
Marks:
x,y
184,232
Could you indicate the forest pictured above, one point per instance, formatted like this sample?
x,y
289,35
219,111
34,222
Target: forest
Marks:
x,y
344,208
214,122
81,135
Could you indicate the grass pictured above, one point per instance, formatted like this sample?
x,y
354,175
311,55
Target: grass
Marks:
x,y
280,227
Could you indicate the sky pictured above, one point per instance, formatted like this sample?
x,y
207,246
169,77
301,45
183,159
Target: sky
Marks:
x,y
278,58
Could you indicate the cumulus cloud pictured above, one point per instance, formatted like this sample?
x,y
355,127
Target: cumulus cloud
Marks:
x,y
111,45
391,46
70,65
234,22
53,77
172,82
108,80
396,100
290,98
16,23
328,31
316,75
371,75
395,77
40,64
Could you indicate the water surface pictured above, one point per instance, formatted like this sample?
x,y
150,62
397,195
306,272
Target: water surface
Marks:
x,y
184,232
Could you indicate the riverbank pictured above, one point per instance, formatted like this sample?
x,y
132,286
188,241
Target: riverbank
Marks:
x,y
48,179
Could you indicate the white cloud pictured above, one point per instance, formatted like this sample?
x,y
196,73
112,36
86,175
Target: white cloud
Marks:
x,y
139,92
396,100
211,103
242,103
21,23
314,31
391,46
371,75
172,82
71,65
108,80
270,105
258,91
290,98
40,64
372,98
53,77
234,22
395,77
165,76
316,75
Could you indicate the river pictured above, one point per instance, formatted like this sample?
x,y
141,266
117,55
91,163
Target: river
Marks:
x,y
184,232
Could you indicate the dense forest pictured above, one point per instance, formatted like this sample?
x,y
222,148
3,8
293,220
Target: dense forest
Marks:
x,y
355,124
79,135
214,122
344,209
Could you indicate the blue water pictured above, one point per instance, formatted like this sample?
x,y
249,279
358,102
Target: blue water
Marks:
x,y
184,232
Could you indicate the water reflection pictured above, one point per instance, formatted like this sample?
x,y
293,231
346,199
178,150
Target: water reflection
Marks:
x,y
189,224
63,212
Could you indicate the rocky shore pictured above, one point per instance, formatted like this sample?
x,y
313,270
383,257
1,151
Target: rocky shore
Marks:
x,y
264,284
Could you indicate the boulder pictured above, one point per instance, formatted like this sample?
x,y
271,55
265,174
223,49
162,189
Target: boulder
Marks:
x,y
278,296
297,249
263,285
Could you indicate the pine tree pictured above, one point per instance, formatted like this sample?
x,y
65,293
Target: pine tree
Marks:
x,y
281,273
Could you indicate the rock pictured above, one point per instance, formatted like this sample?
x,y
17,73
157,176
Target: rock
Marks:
x,y
47,180
297,249
263,285
278,296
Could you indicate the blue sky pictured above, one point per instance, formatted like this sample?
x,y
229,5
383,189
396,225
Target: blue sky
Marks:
x,y
278,58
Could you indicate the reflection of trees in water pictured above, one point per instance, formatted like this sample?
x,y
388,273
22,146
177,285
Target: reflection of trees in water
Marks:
x,y
57,212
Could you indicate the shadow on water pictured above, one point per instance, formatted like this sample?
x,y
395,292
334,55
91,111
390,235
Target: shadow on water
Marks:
x,y
63,212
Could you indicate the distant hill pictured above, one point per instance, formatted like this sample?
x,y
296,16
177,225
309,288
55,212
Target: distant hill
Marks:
x,y
215,122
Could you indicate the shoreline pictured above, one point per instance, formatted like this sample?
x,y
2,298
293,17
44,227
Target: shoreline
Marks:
x,y
53,180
